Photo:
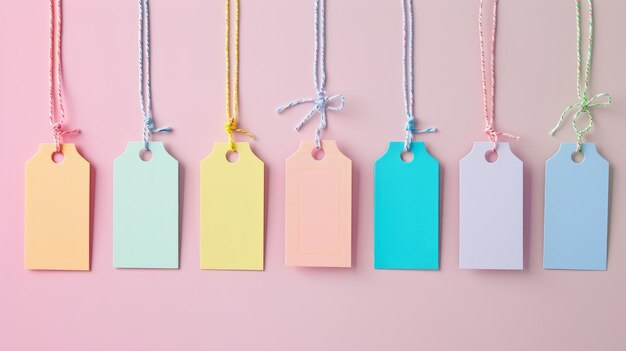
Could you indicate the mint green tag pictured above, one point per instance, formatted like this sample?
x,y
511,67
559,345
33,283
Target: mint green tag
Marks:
x,y
145,208
406,209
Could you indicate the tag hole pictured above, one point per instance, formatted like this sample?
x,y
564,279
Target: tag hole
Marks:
x,y
57,157
318,154
407,156
491,156
145,155
578,157
232,156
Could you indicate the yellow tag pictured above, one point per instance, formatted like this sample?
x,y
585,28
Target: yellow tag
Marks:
x,y
232,209
56,228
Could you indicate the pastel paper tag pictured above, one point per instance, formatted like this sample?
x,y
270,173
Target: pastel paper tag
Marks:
x,y
406,209
318,207
491,209
232,206
145,208
576,210
57,211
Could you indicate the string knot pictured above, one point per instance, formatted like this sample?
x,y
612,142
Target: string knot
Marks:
x,y
57,128
410,129
231,127
580,107
493,135
323,104
584,103
151,126
59,132
410,124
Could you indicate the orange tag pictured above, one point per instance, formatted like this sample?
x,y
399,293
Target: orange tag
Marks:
x,y
56,228
318,207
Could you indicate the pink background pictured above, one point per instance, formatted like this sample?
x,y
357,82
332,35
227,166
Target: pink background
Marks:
x,y
308,309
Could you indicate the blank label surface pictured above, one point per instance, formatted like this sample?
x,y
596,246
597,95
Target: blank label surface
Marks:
x,y
232,209
318,207
491,209
576,210
406,209
57,205
145,208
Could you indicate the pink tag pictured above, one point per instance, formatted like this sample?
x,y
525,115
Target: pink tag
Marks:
x,y
318,205
491,209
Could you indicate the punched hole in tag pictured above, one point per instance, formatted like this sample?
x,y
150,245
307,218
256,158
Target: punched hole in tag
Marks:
x,y
491,156
232,156
145,155
318,154
57,157
406,156
578,156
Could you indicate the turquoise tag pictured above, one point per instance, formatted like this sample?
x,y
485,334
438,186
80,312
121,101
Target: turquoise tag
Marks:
x,y
406,209
145,208
576,210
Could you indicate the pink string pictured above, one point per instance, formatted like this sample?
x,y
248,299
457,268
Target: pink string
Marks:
x,y
57,127
489,106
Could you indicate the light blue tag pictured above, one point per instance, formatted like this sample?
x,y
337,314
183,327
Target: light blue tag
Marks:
x,y
576,210
145,208
406,209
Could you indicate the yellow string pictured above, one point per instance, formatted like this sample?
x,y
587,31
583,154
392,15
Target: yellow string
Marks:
x,y
231,114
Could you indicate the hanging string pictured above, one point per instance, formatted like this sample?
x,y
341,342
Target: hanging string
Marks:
x,y
149,127
407,64
582,85
55,56
323,102
232,113
489,106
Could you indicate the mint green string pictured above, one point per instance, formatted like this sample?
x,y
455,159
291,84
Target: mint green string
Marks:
x,y
585,102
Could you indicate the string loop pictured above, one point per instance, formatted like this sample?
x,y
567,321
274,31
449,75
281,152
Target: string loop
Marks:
x,y
323,102
489,104
56,25
149,127
407,66
232,113
584,104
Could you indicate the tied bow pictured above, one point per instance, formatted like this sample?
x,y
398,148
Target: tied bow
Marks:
x,y
411,130
59,132
583,106
231,127
323,104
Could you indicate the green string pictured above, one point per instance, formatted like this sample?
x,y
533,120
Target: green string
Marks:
x,y
585,102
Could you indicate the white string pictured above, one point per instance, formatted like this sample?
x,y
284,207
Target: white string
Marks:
x,y
408,65
323,103
146,104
